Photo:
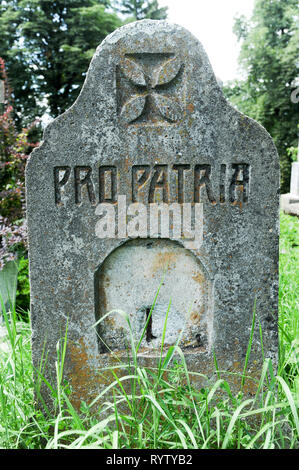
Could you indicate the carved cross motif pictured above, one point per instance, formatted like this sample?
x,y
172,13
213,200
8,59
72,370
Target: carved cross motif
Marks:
x,y
151,85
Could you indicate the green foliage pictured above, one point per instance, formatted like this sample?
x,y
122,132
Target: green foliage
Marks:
x,y
269,59
288,292
48,46
293,153
143,408
14,149
141,9
23,289
14,52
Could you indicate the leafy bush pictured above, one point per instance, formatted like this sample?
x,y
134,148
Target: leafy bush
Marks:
x,y
292,153
14,149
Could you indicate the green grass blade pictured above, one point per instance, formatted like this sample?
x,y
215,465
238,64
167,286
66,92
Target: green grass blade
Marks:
x,y
228,434
291,402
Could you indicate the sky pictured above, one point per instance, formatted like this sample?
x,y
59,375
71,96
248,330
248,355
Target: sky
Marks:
x,y
211,21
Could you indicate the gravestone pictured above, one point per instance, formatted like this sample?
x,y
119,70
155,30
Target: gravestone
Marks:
x,y
152,190
8,287
290,202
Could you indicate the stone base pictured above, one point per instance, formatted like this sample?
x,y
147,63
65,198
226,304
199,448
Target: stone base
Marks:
x,y
289,203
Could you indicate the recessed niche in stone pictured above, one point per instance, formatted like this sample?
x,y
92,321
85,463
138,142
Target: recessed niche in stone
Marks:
x,y
129,279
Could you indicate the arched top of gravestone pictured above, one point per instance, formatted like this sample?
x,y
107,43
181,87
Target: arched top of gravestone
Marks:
x,y
150,89
151,81
150,59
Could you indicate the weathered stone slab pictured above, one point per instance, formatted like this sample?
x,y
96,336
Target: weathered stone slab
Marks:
x,y
8,287
289,202
151,127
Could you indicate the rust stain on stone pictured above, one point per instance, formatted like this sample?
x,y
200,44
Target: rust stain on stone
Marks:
x,y
82,376
199,278
237,203
195,317
127,163
163,260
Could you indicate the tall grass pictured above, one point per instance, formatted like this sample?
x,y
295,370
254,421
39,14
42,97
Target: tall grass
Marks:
x,y
146,408
289,299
